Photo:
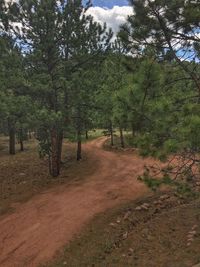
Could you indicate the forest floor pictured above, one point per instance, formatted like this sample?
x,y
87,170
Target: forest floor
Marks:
x,y
35,229
157,231
97,209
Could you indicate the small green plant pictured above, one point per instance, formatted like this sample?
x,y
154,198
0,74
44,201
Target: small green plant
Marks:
x,y
182,189
151,182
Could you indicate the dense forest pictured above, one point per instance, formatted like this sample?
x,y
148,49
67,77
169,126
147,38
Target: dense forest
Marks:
x,y
65,77
63,74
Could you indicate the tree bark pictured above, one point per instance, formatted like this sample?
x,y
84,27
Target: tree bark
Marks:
x,y
21,145
60,146
79,146
121,137
11,138
56,150
111,135
21,140
86,135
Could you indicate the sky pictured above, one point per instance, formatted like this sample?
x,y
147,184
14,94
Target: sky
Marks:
x,y
113,12
110,3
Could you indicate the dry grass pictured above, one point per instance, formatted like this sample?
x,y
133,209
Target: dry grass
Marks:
x,y
126,237
25,174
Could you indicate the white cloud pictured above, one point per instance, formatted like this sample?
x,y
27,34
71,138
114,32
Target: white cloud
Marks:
x,y
113,17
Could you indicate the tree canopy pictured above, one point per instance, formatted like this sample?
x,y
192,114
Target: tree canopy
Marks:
x,y
63,74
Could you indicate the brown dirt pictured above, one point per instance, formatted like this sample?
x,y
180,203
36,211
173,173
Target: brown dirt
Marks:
x,y
37,229
166,234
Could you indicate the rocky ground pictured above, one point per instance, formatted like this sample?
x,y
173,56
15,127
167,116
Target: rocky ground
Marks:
x,y
161,231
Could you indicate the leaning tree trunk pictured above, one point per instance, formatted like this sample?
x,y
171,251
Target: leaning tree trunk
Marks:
x,y
79,146
121,137
56,150
11,138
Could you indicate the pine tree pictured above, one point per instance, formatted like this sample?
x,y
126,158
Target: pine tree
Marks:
x,y
169,28
59,39
84,44
12,87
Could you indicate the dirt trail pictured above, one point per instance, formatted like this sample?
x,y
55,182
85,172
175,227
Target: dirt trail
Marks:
x,y
42,226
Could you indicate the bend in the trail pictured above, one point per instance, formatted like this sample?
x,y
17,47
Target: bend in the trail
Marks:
x,y
43,225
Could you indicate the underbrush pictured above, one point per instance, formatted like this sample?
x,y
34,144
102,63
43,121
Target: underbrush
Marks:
x,y
25,174
178,171
92,134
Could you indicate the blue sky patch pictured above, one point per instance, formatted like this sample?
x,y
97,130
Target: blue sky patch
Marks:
x,y
110,3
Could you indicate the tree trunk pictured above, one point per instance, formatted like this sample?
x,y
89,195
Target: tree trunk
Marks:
x,y
86,135
79,146
60,146
21,140
111,135
21,145
56,150
121,137
11,139
29,135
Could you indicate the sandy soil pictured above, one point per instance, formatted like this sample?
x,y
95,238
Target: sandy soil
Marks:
x,y
39,228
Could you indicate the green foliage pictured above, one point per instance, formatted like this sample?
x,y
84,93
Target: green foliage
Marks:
x,y
155,183
62,76
165,90
182,189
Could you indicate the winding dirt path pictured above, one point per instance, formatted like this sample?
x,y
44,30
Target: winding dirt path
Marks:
x,y
43,225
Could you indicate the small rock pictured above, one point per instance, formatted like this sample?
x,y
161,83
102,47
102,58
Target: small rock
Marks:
x,y
164,197
127,215
130,252
194,227
64,263
125,235
192,233
138,208
118,221
145,206
189,236
112,224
